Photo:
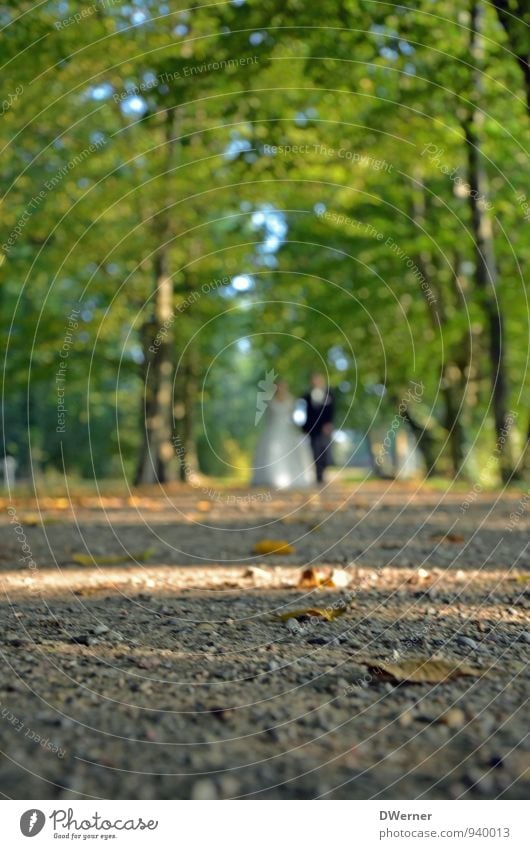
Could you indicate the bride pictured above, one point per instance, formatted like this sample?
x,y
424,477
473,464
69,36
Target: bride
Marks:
x,y
283,456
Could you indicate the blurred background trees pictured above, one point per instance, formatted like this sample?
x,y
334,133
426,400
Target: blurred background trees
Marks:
x,y
232,188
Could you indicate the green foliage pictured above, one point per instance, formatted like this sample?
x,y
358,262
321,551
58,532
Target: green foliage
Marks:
x,y
306,139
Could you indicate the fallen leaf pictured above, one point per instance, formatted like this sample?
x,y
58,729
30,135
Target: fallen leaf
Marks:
x,y
112,559
304,613
419,577
32,520
273,546
58,503
95,590
448,538
420,670
312,578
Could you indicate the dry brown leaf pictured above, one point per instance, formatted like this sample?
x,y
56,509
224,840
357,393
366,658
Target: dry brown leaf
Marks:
x,y
273,546
99,588
421,670
419,577
304,613
448,538
312,578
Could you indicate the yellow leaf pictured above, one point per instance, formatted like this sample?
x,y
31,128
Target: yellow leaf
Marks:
x,y
327,613
273,546
32,520
58,503
421,670
112,559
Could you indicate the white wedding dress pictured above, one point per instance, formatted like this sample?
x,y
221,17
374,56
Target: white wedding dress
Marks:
x,y
283,457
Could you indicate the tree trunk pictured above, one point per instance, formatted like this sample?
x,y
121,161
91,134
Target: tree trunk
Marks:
x,y
514,16
452,381
403,456
157,462
486,275
426,441
453,399
157,458
184,413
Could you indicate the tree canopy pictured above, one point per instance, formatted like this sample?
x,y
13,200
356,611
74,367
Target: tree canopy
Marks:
x,y
192,196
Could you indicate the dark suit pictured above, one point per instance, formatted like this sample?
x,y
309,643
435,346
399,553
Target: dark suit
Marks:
x,y
318,415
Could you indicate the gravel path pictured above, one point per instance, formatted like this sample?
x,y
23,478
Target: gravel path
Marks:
x,y
170,672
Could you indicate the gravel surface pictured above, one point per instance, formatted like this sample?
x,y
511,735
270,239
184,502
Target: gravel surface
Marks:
x,y
169,672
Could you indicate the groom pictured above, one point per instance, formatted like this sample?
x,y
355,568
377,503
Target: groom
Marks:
x,y
320,406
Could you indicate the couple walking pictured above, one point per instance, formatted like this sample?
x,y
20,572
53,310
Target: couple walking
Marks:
x,y
287,457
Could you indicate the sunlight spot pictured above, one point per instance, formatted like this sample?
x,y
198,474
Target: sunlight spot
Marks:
x,y
242,282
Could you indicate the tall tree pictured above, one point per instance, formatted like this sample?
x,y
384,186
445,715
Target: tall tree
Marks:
x,y
514,16
486,273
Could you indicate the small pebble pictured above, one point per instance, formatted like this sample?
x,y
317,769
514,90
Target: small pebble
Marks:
x,y
467,642
453,718
475,778
82,639
204,789
229,785
406,719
